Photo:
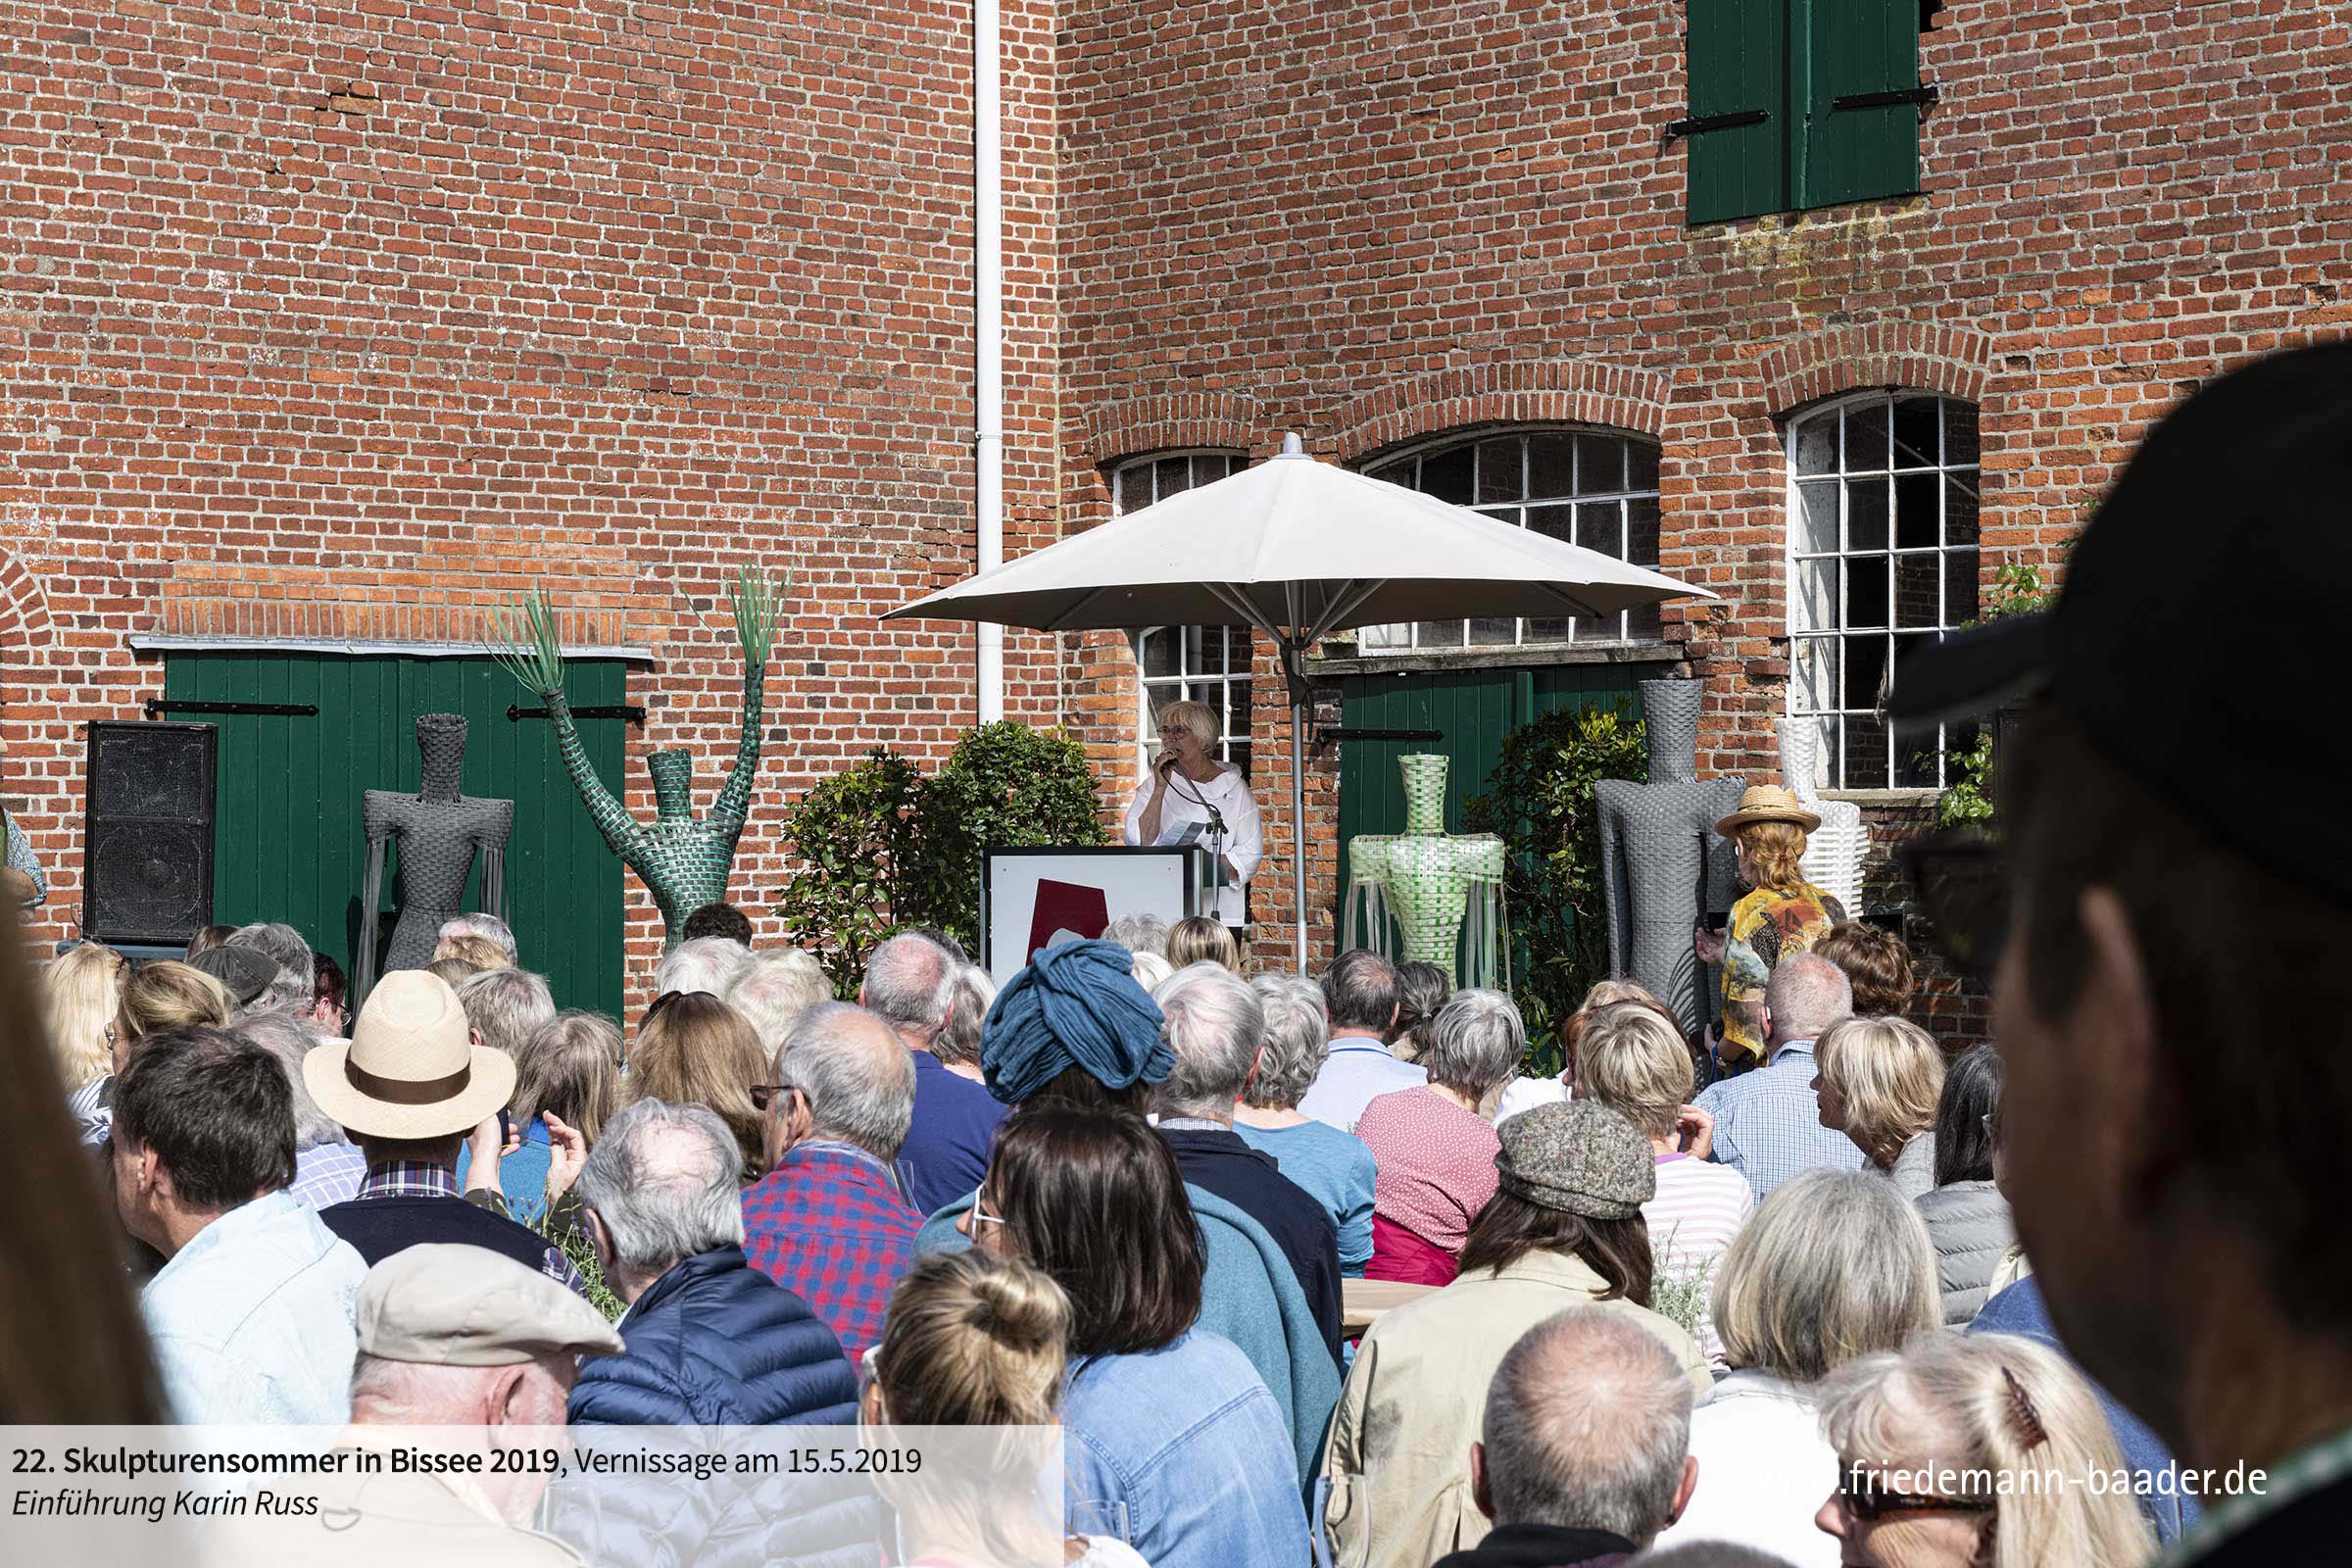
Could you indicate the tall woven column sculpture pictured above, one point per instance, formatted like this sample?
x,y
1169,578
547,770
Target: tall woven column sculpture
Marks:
x,y
683,861
1431,882
1661,864
438,829
1833,850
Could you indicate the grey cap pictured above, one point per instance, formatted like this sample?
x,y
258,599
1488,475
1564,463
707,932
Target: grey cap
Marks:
x,y
243,972
1579,1157
446,1304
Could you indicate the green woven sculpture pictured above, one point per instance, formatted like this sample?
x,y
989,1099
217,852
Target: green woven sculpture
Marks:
x,y
683,861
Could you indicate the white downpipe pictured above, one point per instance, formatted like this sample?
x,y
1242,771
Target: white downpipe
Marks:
x,y
988,311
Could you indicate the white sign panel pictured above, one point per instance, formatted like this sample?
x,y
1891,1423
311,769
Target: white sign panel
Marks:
x,y
1032,899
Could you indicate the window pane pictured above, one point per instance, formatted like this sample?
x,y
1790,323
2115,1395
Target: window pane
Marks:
x,y
1546,629
1919,590
1915,421
1643,623
1447,474
1599,465
1959,433
1817,443
1204,649
1392,635
1865,514
1210,466
1642,531
1915,511
1816,675
1641,466
1498,477
1399,473
1865,751
1514,515
1817,517
1866,436
1158,655
1813,600
1602,527
1438,634
1493,633
1960,604
1864,669
1865,591
1550,466
1960,508
1553,523
1174,475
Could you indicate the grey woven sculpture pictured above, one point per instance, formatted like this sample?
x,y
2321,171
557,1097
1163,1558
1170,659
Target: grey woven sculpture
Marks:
x,y
439,829
1430,881
684,863
1661,863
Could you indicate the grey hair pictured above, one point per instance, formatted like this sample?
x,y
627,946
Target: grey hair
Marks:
x,y
1805,996
1297,1039
970,994
1213,1024
1199,717
481,925
856,1073
1139,933
1359,991
289,1041
776,988
666,1181
906,983
1152,970
1588,1424
297,979
1474,1042
1833,1264
706,963
507,1007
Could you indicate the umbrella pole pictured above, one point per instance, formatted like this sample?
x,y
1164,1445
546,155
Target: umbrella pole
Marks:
x,y
1298,827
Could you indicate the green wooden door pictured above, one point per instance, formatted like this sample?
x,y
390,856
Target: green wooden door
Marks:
x,y
1476,710
287,841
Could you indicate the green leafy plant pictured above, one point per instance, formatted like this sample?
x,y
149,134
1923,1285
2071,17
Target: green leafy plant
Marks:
x,y
1680,1293
1967,800
1540,801
572,1239
883,847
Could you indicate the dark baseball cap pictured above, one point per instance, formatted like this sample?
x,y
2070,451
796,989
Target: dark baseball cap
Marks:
x,y
2178,642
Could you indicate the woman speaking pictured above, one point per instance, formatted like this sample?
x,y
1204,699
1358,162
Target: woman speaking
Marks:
x,y
1190,797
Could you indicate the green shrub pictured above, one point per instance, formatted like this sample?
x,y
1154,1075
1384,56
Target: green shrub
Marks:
x,y
854,834
1540,801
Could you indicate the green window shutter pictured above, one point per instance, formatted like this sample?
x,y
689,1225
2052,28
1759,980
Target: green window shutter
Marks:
x,y
1856,76
1738,54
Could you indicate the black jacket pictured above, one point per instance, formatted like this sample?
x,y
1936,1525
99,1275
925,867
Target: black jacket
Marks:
x,y
1216,1160
1543,1546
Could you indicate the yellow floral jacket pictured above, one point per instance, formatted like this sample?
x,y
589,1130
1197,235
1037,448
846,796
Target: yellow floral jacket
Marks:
x,y
1766,927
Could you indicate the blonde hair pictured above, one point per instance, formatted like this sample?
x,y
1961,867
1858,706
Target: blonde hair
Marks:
x,y
1889,1074
81,995
694,1049
1199,939
477,952
1635,1063
1834,1264
1199,717
973,1341
171,995
2011,1409
1774,851
570,1066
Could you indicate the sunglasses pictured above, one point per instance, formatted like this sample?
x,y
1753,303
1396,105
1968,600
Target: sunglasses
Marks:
x,y
764,1095
1964,894
1863,1498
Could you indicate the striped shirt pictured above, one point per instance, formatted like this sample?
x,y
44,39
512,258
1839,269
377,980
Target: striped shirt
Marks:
x,y
1699,1210
1436,1163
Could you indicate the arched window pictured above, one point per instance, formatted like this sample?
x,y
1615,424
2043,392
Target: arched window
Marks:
x,y
1595,488
1197,664
1882,555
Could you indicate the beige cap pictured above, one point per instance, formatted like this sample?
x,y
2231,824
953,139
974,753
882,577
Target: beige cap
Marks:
x,y
412,1069
446,1304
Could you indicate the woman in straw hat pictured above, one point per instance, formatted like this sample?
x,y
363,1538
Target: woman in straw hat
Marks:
x,y
1784,913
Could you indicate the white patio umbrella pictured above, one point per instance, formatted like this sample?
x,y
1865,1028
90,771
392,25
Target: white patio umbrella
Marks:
x,y
1298,550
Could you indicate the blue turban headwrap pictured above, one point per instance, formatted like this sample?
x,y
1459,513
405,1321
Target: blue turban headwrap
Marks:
x,y
1077,1005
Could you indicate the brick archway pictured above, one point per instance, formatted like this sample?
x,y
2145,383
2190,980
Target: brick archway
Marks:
x,y
1955,360
1514,392
1159,421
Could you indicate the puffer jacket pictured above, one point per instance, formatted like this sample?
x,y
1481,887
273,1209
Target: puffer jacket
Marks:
x,y
716,1344
1969,1223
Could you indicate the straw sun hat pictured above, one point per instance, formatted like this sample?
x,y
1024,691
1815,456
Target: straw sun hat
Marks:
x,y
1768,803
410,1069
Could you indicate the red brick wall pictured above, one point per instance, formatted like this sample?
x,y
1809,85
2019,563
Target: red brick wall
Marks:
x,y
1371,221
353,319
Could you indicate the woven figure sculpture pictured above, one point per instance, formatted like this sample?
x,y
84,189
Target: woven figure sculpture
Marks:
x,y
438,829
683,860
1662,866
1835,849
1431,883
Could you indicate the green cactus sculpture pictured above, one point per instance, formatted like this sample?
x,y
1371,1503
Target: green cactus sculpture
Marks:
x,y
684,861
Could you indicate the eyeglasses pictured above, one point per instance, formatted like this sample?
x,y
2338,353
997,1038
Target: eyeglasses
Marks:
x,y
1864,1500
980,1215
764,1095
1964,892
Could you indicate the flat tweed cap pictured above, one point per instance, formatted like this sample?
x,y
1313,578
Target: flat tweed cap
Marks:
x,y
448,1304
1577,1156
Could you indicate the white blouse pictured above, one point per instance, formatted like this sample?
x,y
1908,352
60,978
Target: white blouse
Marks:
x,y
1244,846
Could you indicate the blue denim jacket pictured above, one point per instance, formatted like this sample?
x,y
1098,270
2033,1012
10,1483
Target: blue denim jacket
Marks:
x,y
1191,1441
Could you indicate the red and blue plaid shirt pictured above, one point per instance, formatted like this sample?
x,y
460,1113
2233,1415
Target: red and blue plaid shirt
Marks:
x,y
829,1225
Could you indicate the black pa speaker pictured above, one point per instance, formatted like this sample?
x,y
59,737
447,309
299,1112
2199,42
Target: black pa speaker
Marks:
x,y
147,832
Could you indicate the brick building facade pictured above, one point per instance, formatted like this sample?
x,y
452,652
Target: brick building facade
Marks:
x,y
341,324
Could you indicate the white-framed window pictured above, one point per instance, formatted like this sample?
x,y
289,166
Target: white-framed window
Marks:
x,y
1589,487
1186,664
1883,502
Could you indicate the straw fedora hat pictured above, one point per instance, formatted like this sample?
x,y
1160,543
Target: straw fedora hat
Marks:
x,y
1768,803
410,1069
